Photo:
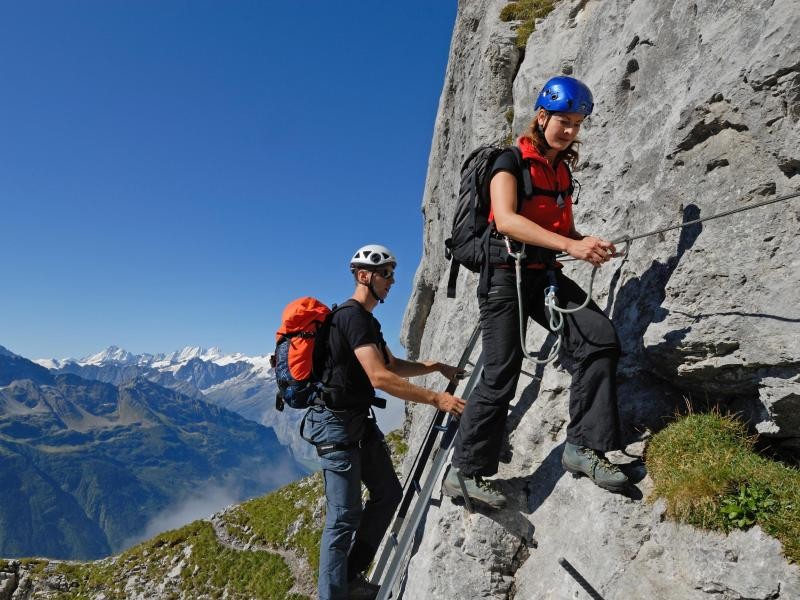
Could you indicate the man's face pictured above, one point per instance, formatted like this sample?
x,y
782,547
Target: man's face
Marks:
x,y
382,279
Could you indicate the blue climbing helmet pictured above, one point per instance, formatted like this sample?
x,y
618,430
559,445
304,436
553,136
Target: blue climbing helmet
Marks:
x,y
565,94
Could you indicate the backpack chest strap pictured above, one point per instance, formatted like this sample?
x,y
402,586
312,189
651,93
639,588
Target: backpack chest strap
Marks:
x,y
552,193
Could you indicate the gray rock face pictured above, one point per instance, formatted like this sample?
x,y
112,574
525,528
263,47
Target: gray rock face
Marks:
x,y
472,111
8,582
697,111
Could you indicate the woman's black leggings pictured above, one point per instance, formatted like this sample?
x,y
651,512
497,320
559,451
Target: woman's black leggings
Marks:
x,y
589,337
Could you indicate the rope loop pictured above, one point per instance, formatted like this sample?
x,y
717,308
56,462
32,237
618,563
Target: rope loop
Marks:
x,y
556,313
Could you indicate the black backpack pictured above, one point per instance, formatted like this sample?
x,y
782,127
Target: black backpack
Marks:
x,y
468,243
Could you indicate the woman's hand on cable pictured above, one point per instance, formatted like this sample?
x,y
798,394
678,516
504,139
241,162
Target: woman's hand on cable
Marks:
x,y
448,403
591,249
450,372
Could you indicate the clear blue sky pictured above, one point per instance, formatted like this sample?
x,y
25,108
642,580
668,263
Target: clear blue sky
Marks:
x,y
172,173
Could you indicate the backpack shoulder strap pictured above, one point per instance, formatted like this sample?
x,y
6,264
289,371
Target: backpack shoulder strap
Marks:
x,y
452,279
525,172
349,303
321,346
345,304
571,188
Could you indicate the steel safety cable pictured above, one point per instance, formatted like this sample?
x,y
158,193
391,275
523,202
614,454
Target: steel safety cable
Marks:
x,y
551,301
627,239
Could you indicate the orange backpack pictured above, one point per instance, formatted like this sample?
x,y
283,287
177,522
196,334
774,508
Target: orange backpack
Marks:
x,y
293,359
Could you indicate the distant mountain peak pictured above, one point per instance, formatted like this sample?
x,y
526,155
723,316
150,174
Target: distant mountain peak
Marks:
x,y
190,352
112,354
6,352
187,353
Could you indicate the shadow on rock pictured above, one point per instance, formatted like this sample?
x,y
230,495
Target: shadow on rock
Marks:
x,y
510,518
635,470
540,484
638,303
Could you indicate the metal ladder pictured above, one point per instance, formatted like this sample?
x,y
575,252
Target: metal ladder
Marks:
x,y
393,561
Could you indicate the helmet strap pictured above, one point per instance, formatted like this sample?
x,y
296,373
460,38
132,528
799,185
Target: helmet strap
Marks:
x,y
369,285
372,289
543,128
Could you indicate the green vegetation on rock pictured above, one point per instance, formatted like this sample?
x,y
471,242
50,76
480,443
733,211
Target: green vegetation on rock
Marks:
x,y
287,518
527,11
190,561
398,447
705,467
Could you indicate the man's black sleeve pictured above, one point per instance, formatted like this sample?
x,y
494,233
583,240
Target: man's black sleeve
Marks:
x,y
358,329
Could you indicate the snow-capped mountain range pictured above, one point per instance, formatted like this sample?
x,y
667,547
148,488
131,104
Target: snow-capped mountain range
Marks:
x,y
241,383
171,361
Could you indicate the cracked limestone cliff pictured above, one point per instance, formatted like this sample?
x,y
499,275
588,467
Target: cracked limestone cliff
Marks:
x,y
697,112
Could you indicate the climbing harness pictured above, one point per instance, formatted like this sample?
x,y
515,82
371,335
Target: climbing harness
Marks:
x,y
556,321
429,464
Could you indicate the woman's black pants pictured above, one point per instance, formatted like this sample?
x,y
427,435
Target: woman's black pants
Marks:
x,y
589,337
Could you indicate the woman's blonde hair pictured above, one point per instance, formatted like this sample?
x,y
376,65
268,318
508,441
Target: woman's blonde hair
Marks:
x,y
536,136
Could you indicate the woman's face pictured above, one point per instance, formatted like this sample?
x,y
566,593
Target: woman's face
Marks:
x,y
562,128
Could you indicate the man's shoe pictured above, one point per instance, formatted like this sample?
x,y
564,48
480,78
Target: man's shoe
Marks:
x,y
361,589
585,461
478,489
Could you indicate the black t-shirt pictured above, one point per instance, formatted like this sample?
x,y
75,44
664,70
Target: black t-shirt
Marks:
x,y
351,326
506,161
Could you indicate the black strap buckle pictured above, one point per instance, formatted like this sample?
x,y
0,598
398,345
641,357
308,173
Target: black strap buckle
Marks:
x,y
328,447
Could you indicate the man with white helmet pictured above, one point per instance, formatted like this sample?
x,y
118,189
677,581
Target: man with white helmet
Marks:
x,y
357,360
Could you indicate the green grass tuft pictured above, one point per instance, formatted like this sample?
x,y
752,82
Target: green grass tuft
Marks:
x,y
398,447
705,467
284,519
209,569
527,11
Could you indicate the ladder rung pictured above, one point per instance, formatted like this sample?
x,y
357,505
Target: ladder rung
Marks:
x,y
390,567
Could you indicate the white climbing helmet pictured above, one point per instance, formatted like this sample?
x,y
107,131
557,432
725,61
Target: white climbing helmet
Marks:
x,y
372,256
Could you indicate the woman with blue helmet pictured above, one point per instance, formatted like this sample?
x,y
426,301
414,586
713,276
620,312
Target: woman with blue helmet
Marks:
x,y
543,222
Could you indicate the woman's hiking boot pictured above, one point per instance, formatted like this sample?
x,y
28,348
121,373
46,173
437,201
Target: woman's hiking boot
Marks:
x,y
581,460
478,489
